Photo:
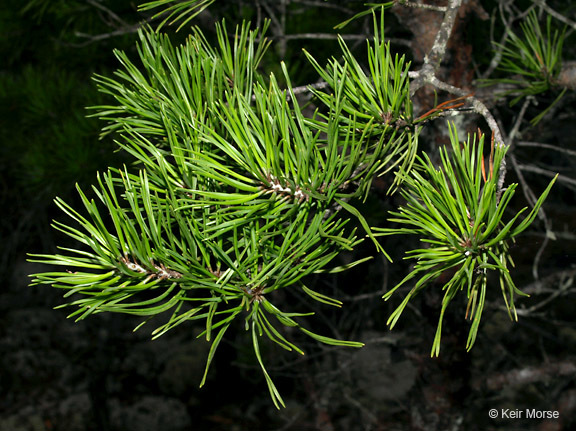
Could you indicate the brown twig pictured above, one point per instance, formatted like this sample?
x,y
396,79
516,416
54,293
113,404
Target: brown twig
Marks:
x,y
445,106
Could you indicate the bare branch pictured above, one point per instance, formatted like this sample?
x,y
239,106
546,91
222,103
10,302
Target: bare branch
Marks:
x,y
325,5
518,121
500,47
306,88
92,38
478,106
325,36
436,54
546,146
422,6
548,284
558,16
110,13
531,198
331,36
547,173
528,193
434,58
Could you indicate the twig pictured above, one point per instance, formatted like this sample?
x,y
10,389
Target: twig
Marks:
x,y
320,36
531,198
433,59
272,16
98,37
331,36
427,75
562,290
518,121
258,14
306,88
563,234
478,106
536,262
498,54
561,178
277,28
528,194
372,295
366,410
563,277
558,16
546,146
325,5
112,15
422,6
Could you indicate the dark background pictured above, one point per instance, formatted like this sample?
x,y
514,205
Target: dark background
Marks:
x,y
98,375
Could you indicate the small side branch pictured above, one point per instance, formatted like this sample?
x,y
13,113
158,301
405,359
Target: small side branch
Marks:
x,y
161,272
477,105
93,38
275,186
479,108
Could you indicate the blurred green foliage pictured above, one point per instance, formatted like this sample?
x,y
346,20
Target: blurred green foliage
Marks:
x,y
46,142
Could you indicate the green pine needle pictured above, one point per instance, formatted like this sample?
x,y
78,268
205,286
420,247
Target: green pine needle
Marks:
x,y
458,213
